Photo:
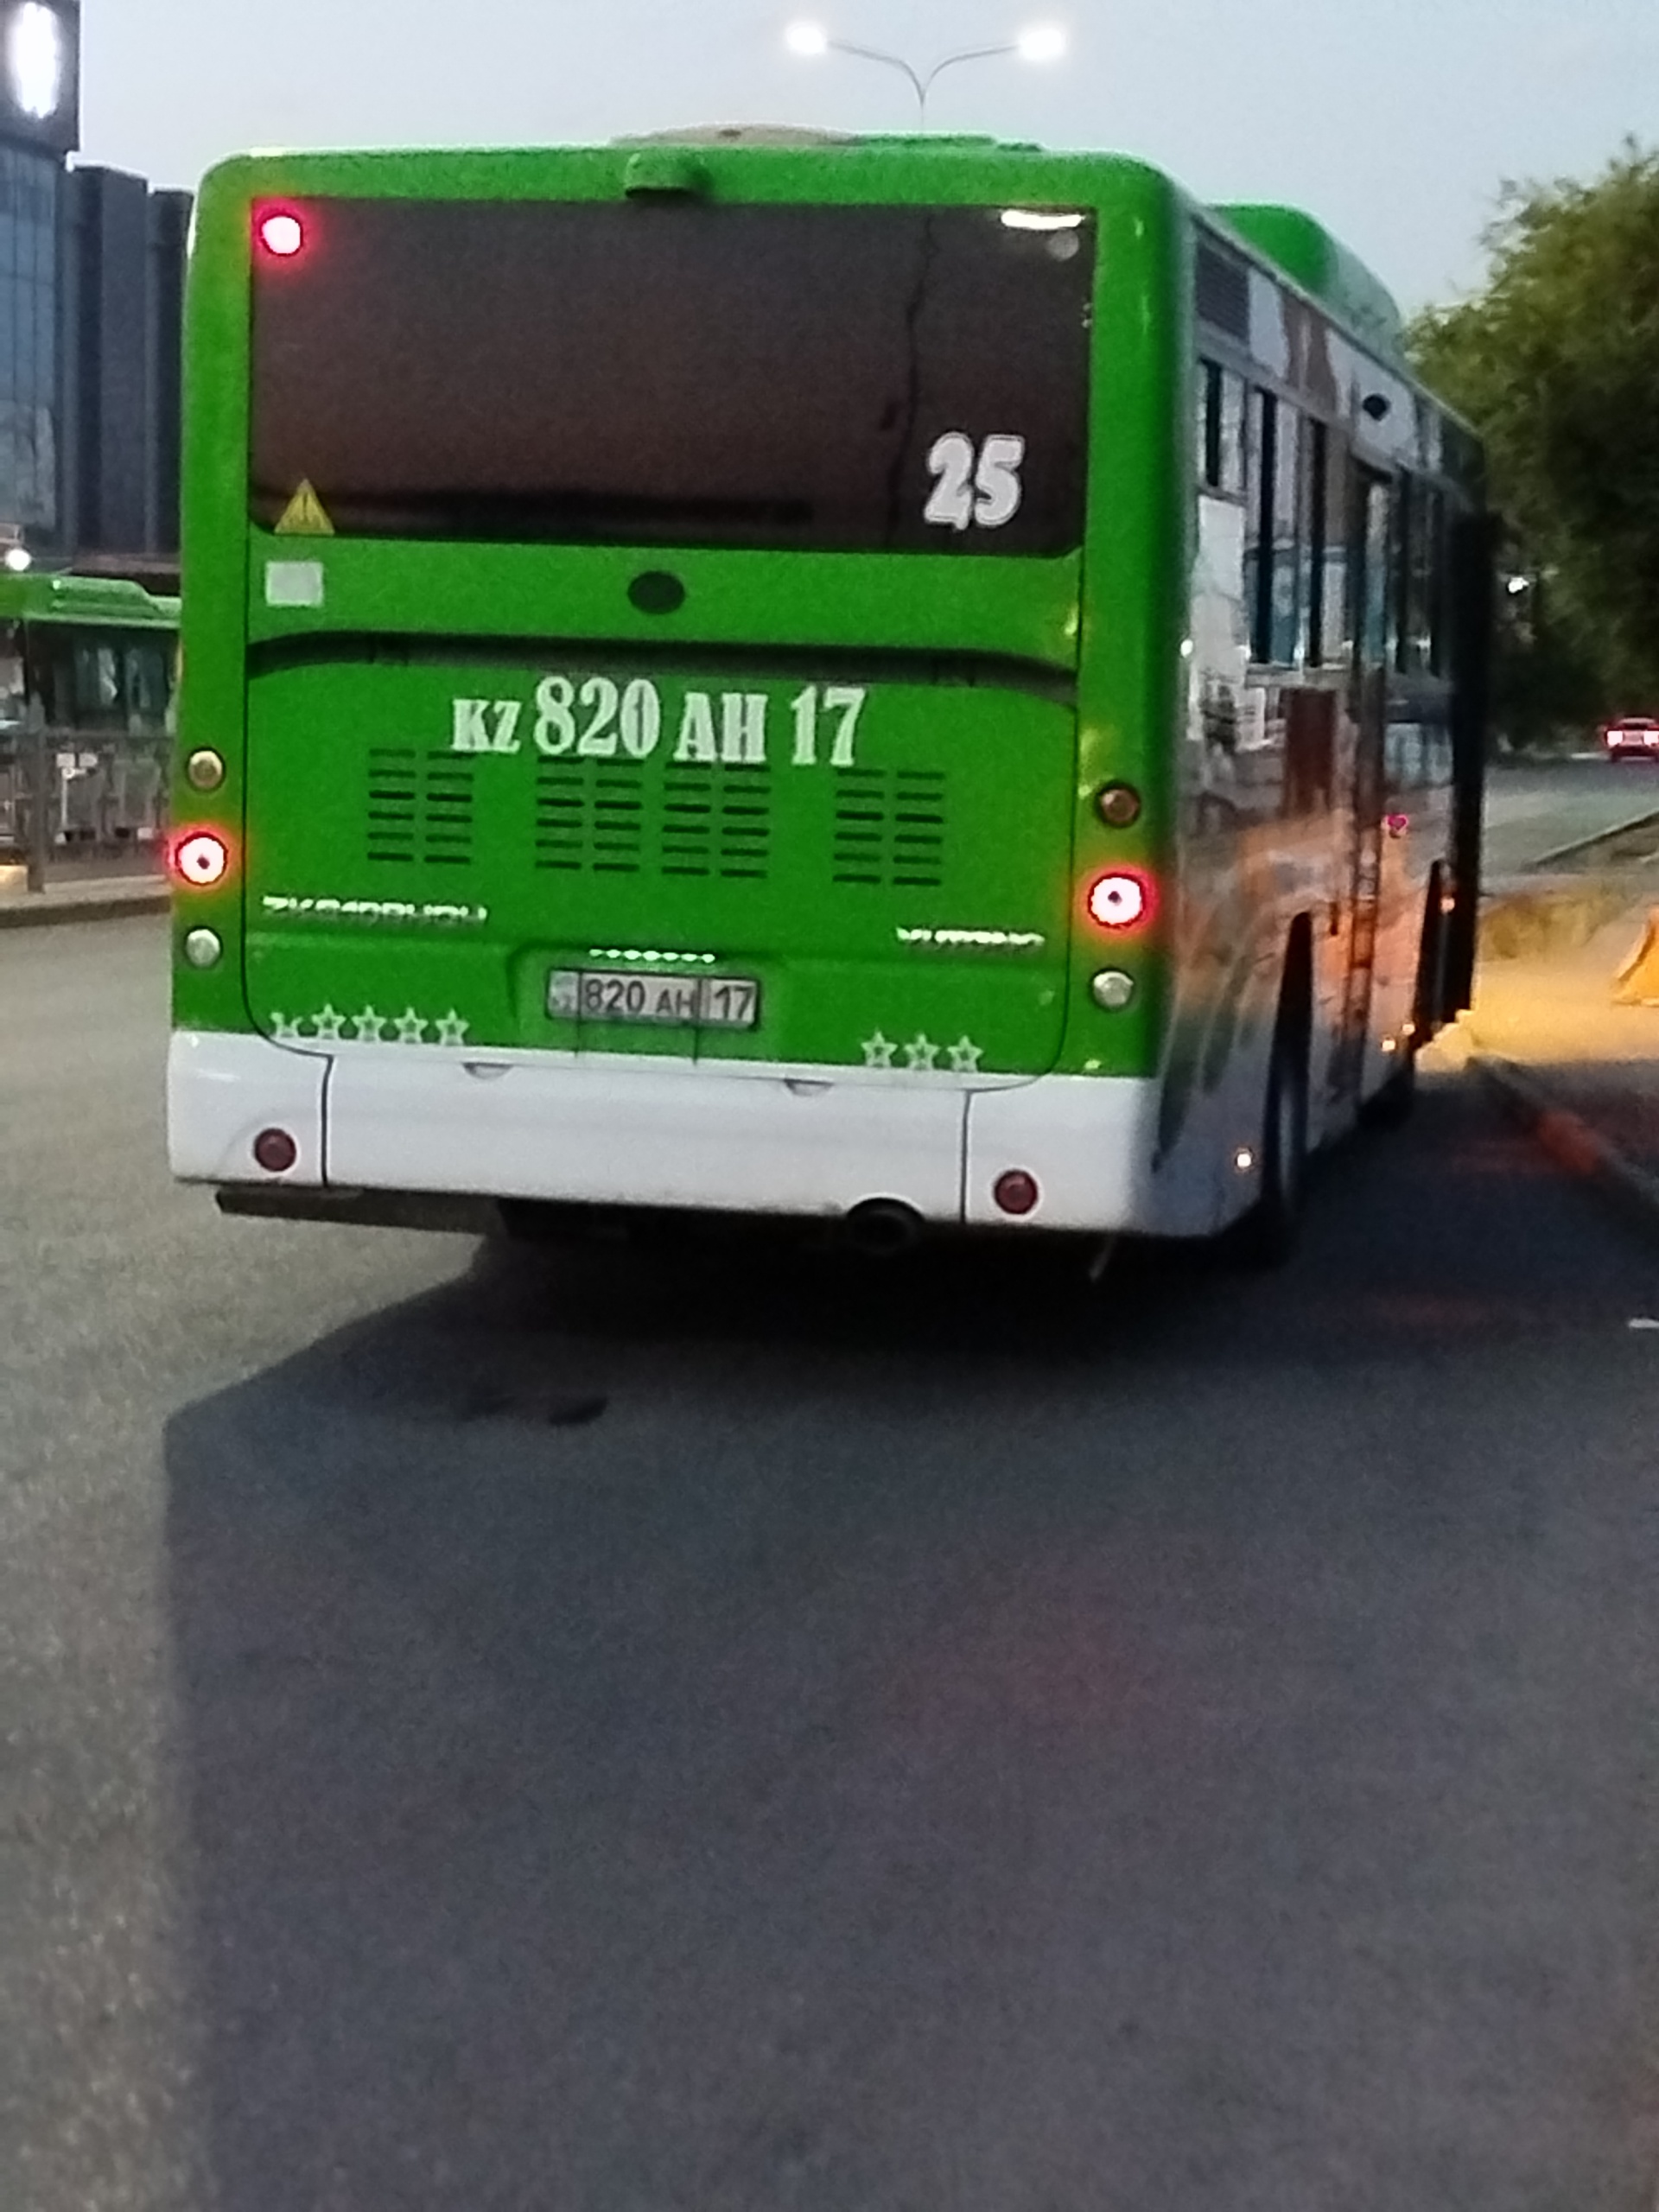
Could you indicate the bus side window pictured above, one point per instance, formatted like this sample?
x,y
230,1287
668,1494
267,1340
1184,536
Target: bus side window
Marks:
x,y
1434,563
1375,568
1336,642
1407,527
1272,555
1221,431
1258,490
1415,642
14,688
1316,467
1207,456
97,687
50,673
1284,522
146,687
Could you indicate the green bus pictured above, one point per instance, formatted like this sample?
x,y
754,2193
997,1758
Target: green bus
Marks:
x,y
88,669
899,681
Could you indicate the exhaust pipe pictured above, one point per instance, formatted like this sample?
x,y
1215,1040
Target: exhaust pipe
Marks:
x,y
882,1228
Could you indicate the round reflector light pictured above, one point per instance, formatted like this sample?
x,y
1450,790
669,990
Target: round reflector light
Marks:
x,y
1112,990
1119,901
204,771
275,1151
201,858
1016,1192
1118,805
281,234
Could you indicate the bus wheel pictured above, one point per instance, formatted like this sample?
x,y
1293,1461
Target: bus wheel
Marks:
x,y
1391,1108
1268,1233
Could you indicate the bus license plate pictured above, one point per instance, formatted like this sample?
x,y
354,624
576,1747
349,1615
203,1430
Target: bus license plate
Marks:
x,y
666,1001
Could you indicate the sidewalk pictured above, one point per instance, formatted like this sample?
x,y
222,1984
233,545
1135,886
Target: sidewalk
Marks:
x,y
101,900
1584,1070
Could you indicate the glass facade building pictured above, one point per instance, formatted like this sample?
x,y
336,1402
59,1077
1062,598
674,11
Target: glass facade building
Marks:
x,y
31,390
92,276
40,127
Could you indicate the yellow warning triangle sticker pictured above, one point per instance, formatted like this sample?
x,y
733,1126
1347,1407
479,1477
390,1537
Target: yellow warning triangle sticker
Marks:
x,y
305,516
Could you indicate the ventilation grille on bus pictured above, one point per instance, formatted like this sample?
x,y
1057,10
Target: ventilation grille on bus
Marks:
x,y
1223,292
717,822
591,818
589,815
420,807
890,828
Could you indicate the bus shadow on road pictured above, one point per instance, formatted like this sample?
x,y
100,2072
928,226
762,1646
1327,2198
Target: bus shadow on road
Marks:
x,y
1440,1237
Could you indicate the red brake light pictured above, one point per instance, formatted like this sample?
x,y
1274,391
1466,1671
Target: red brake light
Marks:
x,y
1120,900
281,233
200,858
275,1151
1017,1193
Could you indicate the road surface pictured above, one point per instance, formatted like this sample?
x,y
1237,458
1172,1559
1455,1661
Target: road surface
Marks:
x,y
749,1734
1532,812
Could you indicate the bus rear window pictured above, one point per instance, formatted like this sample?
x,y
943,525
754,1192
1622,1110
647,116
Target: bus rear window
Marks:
x,y
840,378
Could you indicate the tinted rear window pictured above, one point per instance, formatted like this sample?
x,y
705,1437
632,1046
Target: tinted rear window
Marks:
x,y
868,378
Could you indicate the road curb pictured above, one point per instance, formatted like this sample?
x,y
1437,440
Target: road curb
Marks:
x,y
1578,845
25,913
1555,913
1567,1137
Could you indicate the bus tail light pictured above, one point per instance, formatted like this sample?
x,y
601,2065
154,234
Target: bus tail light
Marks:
x,y
199,859
281,232
1122,900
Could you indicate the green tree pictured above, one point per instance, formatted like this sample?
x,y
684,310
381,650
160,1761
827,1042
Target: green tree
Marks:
x,y
1556,363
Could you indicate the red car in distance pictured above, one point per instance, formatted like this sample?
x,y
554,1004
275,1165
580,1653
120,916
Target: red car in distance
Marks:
x,y
1632,737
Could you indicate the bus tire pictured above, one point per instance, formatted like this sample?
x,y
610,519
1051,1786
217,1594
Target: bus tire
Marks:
x,y
1268,1234
1392,1107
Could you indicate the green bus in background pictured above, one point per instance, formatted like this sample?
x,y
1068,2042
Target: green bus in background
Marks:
x,y
87,679
909,680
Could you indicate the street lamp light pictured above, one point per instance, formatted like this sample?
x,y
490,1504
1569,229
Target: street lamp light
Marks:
x,y
1042,43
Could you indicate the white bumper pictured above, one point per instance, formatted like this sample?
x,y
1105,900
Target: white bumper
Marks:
x,y
625,1131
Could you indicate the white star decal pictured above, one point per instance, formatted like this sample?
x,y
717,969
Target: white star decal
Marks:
x,y
452,1030
878,1053
287,1033
330,1026
411,1030
965,1057
921,1054
369,1025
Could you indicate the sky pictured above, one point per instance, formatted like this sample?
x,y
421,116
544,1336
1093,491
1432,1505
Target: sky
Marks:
x,y
1394,122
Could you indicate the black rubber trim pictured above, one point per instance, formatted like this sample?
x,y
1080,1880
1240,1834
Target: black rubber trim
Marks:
x,y
986,671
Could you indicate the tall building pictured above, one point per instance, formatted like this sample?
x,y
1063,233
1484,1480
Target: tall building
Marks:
x,y
122,268
91,284
40,127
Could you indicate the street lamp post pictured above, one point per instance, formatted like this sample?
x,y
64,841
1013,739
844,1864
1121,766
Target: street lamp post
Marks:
x,y
1044,42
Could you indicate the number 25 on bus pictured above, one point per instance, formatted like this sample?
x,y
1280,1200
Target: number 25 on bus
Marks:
x,y
895,683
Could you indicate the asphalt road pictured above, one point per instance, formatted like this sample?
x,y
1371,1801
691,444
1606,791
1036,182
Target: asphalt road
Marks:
x,y
748,1734
1534,809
